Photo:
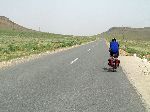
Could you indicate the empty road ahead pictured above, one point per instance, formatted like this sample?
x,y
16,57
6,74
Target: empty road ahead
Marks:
x,y
70,81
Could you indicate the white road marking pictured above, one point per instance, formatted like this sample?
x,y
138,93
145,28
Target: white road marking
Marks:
x,y
74,61
89,49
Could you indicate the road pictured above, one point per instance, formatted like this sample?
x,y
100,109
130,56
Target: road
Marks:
x,y
75,80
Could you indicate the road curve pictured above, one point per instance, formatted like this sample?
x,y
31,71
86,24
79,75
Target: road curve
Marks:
x,y
75,80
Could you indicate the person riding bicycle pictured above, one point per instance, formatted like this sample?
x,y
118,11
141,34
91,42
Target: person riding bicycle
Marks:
x,y
114,48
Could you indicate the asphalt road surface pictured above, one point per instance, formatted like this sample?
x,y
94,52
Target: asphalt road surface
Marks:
x,y
76,80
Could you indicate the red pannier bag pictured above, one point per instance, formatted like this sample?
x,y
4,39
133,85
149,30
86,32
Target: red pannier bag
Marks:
x,y
110,62
117,62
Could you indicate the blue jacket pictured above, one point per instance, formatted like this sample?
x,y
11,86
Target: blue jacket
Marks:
x,y
114,47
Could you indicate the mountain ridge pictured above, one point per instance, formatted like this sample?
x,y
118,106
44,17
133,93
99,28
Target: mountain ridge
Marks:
x,y
6,23
130,33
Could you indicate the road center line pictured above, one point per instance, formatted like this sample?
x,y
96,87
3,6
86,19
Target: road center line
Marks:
x,y
74,61
89,49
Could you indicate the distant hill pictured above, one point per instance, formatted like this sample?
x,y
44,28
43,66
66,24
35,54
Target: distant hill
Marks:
x,y
130,33
7,24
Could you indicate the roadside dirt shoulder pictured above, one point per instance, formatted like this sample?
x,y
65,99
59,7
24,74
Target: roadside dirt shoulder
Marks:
x,y
138,72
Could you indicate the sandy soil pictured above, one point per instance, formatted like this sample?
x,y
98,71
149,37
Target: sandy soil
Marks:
x,y
138,72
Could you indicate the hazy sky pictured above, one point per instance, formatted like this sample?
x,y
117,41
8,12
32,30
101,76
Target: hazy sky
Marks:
x,y
78,17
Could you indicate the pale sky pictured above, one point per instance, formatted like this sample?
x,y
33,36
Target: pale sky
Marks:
x,y
77,17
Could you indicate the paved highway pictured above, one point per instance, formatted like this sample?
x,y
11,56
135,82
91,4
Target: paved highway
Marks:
x,y
75,80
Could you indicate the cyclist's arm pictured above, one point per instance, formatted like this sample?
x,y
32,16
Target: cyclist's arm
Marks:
x,y
118,44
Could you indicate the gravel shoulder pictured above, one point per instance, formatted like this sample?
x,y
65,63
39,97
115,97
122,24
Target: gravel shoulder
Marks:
x,y
138,72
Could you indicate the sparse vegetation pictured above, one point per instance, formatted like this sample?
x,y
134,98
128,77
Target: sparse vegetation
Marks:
x,y
14,43
132,40
17,41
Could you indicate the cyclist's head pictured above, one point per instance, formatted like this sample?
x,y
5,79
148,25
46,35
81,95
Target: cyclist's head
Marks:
x,y
114,40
